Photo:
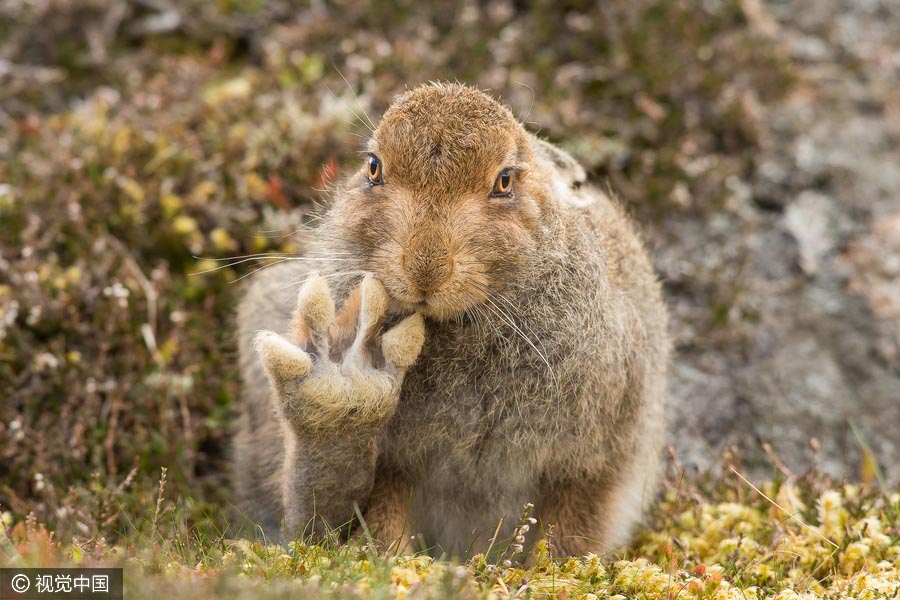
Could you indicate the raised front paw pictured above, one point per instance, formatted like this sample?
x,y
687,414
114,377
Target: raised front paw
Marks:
x,y
334,370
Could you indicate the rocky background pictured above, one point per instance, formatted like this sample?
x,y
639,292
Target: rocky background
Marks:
x,y
144,142
803,263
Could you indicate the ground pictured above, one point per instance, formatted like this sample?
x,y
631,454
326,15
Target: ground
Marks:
x,y
723,537
143,144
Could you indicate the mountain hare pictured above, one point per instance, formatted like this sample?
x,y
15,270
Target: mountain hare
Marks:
x,y
481,330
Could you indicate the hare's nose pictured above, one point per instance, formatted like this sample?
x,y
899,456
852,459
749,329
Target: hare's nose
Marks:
x,y
428,269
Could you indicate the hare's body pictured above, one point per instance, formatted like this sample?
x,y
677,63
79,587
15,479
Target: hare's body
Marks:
x,y
548,390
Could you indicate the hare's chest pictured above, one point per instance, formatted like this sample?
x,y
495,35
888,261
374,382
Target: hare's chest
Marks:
x,y
479,425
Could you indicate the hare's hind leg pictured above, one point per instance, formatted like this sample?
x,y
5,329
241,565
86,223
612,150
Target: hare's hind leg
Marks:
x,y
596,515
387,514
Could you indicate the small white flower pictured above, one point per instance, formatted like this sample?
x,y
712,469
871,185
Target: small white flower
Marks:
x,y
45,360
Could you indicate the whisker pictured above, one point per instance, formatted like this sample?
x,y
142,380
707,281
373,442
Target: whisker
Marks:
x,y
514,308
356,97
280,260
283,260
355,114
300,282
257,270
554,378
498,311
274,230
262,255
239,257
522,83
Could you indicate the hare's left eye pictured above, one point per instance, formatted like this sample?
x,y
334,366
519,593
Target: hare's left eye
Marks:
x,y
503,184
373,171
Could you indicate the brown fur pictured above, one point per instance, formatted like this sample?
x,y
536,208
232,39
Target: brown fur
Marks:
x,y
542,373
387,511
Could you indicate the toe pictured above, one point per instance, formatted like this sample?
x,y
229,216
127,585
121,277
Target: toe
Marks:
x,y
344,329
402,344
314,315
373,302
281,359
372,307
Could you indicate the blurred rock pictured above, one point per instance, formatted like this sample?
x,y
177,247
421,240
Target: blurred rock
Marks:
x,y
811,220
804,337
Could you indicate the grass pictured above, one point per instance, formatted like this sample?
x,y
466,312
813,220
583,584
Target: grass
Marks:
x,y
132,167
709,537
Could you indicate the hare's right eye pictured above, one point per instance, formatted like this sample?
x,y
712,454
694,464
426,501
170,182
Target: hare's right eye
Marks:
x,y
373,171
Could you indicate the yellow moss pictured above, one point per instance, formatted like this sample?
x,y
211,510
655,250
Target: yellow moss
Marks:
x,y
256,186
184,225
237,133
232,89
73,275
788,499
259,243
221,240
121,141
132,189
171,205
203,191
832,515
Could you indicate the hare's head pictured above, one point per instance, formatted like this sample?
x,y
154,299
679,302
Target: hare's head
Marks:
x,y
450,202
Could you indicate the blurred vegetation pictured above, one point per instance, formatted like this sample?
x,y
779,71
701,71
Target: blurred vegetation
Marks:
x,y
140,141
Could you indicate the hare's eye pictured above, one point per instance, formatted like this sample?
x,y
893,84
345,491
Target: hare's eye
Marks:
x,y
503,184
373,171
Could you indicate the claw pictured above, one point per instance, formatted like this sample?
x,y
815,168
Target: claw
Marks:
x,y
402,344
281,359
314,314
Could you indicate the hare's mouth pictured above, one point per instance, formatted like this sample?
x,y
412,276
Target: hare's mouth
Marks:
x,y
414,301
445,302
433,305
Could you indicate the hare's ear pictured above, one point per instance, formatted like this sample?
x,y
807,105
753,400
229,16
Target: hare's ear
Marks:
x,y
569,169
